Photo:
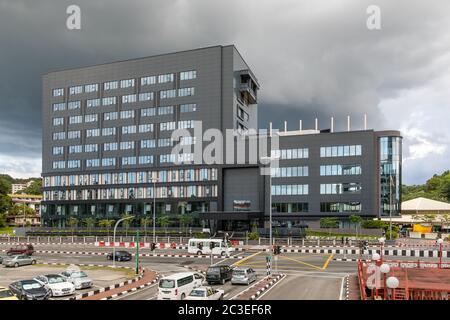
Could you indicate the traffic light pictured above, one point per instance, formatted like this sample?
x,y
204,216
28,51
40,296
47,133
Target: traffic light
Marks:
x,y
152,246
211,245
276,250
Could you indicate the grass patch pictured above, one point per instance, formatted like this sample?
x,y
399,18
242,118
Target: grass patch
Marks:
x,y
128,273
7,230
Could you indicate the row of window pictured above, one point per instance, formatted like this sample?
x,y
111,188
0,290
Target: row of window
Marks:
x,y
340,170
340,207
286,172
130,98
182,158
127,83
340,188
287,154
161,176
340,151
124,145
289,207
131,129
198,191
290,190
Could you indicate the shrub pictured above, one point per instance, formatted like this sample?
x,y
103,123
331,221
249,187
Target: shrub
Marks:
x,y
200,235
394,234
253,236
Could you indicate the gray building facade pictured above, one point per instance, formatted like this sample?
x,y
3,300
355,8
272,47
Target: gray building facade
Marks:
x,y
107,148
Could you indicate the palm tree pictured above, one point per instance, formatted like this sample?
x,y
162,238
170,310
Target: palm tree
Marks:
x,y
90,222
72,222
145,222
356,220
328,222
127,223
185,221
106,223
164,222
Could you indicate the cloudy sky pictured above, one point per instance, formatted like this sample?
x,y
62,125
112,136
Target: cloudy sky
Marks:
x,y
313,59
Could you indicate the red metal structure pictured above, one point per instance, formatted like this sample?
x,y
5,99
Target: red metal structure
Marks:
x,y
417,281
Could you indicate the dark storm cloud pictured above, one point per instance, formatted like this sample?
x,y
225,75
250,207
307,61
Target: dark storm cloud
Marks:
x,y
312,58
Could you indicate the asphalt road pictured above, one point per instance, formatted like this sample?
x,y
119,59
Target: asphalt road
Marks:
x,y
312,286
309,276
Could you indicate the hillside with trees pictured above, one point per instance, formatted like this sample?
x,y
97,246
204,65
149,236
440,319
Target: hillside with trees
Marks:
x,y
436,188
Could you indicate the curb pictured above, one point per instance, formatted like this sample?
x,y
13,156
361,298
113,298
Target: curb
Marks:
x,y
132,289
347,287
260,291
267,286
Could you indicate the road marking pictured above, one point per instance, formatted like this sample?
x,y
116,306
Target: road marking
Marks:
x,y
230,257
270,288
302,262
238,263
325,265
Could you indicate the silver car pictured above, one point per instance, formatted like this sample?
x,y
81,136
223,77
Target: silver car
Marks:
x,y
243,276
19,260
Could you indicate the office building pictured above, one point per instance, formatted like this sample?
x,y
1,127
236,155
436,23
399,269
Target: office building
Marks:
x,y
107,148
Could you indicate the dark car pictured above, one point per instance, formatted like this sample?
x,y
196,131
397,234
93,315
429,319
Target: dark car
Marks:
x,y
219,274
27,249
30,290
1,260
120,256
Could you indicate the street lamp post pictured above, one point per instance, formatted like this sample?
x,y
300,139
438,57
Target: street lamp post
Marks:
x,y
114,238
267,162
154,180
376,257
392,283
384,269
440,241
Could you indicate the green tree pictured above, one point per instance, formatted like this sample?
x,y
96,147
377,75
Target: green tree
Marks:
x,y
5,185
164,222
106,223
425,218
34,188
127,223
329,223
90,222
185,220
5,203
72,223
145,222
356,221
3,220
19,210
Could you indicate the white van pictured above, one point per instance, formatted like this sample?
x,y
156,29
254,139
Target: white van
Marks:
x,y
179,285
202,246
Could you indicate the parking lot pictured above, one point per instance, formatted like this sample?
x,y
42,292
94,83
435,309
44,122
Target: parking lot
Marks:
x,y
101,276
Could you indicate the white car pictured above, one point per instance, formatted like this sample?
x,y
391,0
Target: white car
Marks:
x,y
78,278
58,285
205,293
